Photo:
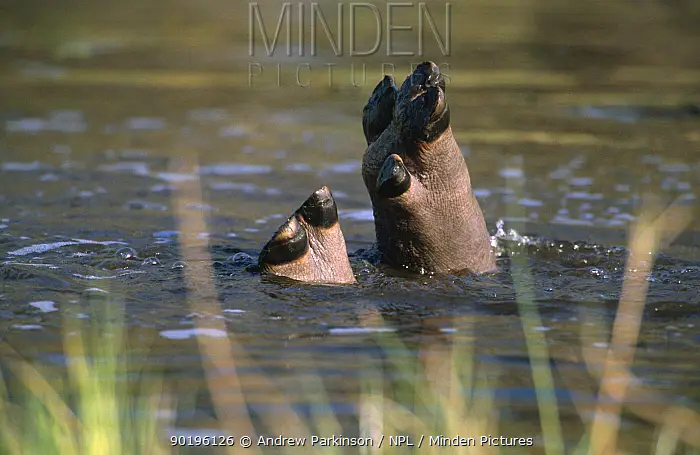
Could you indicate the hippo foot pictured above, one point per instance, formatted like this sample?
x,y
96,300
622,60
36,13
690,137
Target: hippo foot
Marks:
x,y
309,246
426,217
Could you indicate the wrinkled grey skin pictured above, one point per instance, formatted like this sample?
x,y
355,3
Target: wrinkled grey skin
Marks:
x,y
426,217
437,224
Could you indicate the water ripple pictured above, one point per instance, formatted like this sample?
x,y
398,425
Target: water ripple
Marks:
x,y
184,334
234,169
44,247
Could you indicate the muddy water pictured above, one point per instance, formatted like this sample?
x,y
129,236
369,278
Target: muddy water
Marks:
x,y
570,118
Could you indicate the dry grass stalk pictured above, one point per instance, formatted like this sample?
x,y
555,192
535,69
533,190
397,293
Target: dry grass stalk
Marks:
x,y
648,236
221,356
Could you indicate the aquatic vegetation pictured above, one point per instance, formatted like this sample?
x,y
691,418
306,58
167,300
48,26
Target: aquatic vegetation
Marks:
x,y
100,406
567,120
443,398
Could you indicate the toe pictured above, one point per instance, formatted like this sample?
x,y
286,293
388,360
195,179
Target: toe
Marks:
x,y
379,110
422,110
394,179
320,210
289,244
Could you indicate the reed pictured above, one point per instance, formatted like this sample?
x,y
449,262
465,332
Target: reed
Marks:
x,y
443,390
87,407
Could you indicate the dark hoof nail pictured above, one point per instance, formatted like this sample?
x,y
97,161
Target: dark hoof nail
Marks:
x,y
394,179
435,77
320,210
383,90
423,111
287,245
426,75
379,110
386,82
439,122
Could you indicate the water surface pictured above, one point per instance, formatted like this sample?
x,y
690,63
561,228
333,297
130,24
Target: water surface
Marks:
x,y
562,149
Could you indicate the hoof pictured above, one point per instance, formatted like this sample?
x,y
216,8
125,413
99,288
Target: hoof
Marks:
x,y
421,108
379,110
394,179
309,246
425,214
426,217
320,210
289,244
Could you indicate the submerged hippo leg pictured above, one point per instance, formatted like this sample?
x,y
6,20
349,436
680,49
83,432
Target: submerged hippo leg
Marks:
x,y
309,246
426,216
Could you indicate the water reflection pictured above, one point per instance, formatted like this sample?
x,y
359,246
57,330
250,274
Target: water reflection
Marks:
x,y
568,121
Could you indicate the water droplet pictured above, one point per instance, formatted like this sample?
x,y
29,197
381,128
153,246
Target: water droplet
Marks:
x,y
599,273
126,253
241,259
151,261
95,293
499,227
179,265
365,271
